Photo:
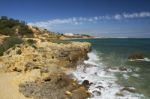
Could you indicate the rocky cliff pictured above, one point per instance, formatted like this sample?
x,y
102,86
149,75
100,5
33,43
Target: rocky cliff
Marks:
x,y
42,69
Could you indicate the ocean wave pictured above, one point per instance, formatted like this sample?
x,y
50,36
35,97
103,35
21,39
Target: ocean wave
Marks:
x,y
103,81
145,59
93,58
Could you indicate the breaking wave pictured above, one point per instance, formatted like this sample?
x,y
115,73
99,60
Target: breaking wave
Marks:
x,y
145,59
103,80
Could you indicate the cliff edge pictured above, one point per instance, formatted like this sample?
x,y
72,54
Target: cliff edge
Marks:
x,y
40,67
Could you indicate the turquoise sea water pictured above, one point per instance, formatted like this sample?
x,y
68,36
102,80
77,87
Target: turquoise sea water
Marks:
x,y
114,53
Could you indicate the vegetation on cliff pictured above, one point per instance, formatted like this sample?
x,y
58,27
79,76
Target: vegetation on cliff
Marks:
x,y
12,27
41,62
8,43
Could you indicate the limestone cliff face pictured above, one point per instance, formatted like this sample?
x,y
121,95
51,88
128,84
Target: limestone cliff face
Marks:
x,y
43,33
45,54
44,66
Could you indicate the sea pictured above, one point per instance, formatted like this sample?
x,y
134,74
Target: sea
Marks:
x,y
111,74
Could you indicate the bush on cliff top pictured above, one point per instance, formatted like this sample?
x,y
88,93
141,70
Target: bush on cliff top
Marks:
x,y
8,43
12,27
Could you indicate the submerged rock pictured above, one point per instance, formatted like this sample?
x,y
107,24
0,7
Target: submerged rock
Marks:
x,y
120,94
99,87
122,68
136,56
96,93
130,89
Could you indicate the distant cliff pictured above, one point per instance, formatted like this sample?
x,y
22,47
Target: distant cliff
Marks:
x,y
13,27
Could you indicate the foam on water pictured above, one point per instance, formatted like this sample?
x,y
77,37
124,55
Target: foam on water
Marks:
x,y
145,59
93,58
103,81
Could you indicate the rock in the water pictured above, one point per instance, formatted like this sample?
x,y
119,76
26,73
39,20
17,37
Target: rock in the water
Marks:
x,y
86,83
99,87
120,94
122,68
136,56
97,93
130,89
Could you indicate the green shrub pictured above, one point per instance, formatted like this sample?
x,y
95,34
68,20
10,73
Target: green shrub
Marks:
x,y
31,41
12,27
18,52
8,43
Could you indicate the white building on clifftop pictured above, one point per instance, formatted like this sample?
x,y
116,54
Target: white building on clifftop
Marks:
x,y
68,34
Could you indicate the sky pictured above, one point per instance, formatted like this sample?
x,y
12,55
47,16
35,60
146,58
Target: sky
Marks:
x,y
103,18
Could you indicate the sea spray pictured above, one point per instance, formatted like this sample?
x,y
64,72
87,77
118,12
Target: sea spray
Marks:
x,y
103,81
144,59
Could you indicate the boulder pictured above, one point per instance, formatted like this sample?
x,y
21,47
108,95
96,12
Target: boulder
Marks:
x,y
86,83
136,56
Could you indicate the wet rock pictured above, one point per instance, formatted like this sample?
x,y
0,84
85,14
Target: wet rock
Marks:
x,y
96,93
122,68
91,83
82,77
136,56
99,87
86,83
120,94
130,89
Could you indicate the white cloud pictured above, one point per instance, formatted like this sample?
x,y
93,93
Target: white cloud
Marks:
x,y
136,15
81,20
118,17
95,18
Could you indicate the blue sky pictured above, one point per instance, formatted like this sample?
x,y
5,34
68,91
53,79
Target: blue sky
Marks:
x,y
106,18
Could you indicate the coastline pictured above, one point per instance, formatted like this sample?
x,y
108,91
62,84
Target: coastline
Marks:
x,y
44,68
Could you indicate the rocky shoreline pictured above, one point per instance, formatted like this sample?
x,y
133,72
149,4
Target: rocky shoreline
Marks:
x,y
43,70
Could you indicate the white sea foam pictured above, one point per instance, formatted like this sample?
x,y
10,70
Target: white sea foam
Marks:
x,y
125,76
136,75
145,59
103,81
93,58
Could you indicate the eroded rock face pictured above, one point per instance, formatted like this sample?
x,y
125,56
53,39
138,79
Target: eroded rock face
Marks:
x,y
57,86
42,69
45,53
